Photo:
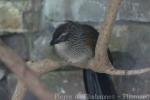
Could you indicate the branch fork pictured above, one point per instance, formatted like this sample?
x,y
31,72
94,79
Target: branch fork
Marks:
x,y
28,73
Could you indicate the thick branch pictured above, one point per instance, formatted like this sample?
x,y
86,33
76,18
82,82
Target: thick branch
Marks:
x,y
20,91
17,65
101,63
40,67
101,56
109,69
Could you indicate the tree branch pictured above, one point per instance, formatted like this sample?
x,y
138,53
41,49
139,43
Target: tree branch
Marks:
x,y
101,56
17,66
40,68
100,63
20,91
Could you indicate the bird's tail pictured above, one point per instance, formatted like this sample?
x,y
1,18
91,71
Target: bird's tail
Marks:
x,y
99,84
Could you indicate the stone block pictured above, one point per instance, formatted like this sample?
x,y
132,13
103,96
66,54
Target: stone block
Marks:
x,y
11,16
133,38
18,43
66,82
94,10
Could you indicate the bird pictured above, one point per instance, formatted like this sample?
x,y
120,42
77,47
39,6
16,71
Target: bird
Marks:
x,y
75,42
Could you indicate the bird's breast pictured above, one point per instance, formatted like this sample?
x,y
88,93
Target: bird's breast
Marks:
x,y
72,54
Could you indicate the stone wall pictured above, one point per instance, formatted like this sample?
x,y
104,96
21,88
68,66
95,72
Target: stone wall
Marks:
x,y
27,27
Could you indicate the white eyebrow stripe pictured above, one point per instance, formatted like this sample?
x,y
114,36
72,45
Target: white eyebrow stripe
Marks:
x,y
65,33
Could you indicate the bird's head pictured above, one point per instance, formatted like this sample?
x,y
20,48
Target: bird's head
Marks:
x,y
74,41
62,33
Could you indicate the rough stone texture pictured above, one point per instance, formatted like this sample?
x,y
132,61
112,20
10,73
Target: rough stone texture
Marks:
x,y
94,10
136,10
4,92
68,83
133,38
126,86
11,84
18,43
3,71
32,16
132,85
57,11
11,15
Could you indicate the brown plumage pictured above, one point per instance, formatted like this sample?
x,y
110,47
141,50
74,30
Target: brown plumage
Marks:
x,y
75,42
